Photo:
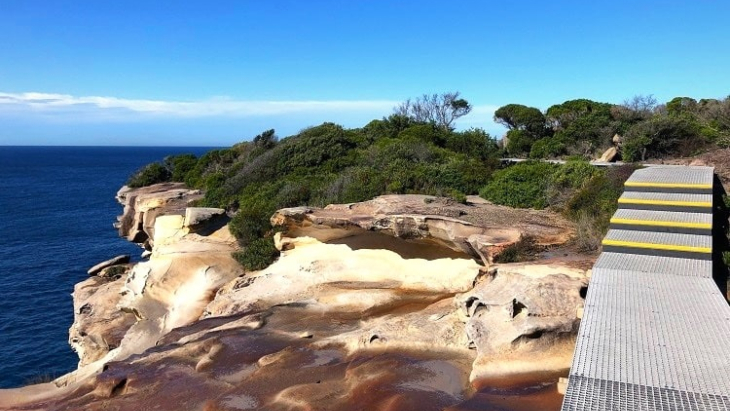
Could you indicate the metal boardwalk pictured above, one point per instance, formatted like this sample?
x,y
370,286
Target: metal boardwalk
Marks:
x,y
655,332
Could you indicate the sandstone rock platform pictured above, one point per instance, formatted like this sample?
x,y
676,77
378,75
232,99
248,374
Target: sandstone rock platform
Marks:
x,y
395,303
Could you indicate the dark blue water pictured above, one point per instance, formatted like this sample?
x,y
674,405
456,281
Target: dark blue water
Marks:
x,y
57,207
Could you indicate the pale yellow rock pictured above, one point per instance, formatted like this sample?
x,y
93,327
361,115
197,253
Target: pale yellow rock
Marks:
x,y
143,205
523,312
334,277
168,228
562,385
326,323
200,215
609,155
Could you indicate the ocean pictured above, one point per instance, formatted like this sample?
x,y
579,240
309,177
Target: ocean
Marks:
x,y
57,208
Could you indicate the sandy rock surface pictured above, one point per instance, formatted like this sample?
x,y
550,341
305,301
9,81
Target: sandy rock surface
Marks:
x,y
480,229
120,259
381,305
99,324
143,205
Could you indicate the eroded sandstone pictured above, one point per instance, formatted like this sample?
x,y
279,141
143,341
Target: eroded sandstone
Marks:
x,y
480,229
143,205
332,324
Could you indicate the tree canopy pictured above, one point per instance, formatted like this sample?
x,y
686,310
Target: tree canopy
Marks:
x,y
417,150
439,109
586,128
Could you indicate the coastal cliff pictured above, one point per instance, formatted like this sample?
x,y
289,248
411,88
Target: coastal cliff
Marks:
x,y
399,296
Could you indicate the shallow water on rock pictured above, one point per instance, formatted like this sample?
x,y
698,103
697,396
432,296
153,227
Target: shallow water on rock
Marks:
x,y
371,240
529,392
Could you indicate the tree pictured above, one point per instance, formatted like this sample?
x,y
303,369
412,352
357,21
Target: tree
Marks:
x,y
474,142
643,105
526,125
440,109
662,136
583,125
519,117
266,140
560,116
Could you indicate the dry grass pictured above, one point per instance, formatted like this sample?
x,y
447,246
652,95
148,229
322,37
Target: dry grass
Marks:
x,y
526,249
588,235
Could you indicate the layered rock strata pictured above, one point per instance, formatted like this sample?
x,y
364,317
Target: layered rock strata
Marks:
x,y
481,229
327,326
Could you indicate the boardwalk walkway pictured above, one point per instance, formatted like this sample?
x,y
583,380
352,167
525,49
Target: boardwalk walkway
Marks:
x,y
655,333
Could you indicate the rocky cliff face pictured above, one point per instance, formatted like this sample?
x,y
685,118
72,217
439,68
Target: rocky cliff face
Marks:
x,y
481,229
338,322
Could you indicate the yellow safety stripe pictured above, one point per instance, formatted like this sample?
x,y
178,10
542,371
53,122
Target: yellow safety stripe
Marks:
x,y
661,223
667,185
668,247
665,202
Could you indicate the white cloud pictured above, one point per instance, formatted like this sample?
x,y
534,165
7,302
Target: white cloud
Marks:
x,y
67,109
106,108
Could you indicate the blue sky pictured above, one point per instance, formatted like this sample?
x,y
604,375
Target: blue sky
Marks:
x,y
214,73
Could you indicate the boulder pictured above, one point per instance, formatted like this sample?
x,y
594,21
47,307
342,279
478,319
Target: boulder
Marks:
x,y
336,278
168,228
198,215
523,315
99,325
609,155
143,205
120,259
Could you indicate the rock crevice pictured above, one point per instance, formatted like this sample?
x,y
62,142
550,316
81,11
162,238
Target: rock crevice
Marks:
x,y
327,323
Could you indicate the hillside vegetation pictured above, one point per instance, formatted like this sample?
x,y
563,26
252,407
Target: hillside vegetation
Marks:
x,y
416,150
681,127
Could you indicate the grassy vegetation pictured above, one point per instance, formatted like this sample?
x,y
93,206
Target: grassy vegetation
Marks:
x,y
407,153
329,164
682,126
583,193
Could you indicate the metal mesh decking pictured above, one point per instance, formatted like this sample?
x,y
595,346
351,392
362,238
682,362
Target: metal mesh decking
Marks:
x,y
655,333
671,179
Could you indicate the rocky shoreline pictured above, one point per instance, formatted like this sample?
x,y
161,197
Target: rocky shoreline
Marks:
x,y
335,323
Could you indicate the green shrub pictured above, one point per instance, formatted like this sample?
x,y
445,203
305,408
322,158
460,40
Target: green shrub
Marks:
x,y
211,162
522,185
726,258
463,174
458,196
258,254
548,147
250,224
180,165
429,133
567,179
152,173
663,136
723,141
592,206
323,146
473,142
519,142
574,174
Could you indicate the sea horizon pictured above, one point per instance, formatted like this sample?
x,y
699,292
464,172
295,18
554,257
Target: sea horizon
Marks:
x,y
57,208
